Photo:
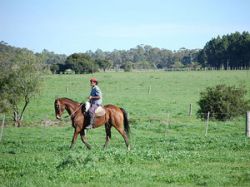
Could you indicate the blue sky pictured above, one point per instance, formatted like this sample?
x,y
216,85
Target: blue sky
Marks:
x,y
68,26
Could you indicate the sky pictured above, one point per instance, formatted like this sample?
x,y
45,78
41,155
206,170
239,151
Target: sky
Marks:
x,y
69,26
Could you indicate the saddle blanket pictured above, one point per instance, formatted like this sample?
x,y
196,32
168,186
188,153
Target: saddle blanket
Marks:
x,y
100,111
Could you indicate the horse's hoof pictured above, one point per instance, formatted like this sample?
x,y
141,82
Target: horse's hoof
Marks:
x,y
89,147
128,148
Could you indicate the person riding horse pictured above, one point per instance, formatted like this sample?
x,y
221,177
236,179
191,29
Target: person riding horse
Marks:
x,y
113,116
95,99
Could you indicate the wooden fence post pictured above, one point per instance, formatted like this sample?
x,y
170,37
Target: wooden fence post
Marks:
x,y
149,89
248,124
168,123
1,135
190,110
208,114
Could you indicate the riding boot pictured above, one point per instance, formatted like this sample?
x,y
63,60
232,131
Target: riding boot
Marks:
x,y
91,121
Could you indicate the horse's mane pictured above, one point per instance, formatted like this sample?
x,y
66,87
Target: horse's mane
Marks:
x,y
71,100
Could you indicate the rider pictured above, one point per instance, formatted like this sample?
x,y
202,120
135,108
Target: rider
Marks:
x,y
95,99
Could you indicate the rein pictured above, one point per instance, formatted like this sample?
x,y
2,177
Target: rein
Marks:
x,y
71,115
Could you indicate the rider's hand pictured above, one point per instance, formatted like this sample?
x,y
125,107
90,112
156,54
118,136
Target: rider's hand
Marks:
x,y
90,97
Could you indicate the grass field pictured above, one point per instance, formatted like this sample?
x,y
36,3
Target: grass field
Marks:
x,y
168,146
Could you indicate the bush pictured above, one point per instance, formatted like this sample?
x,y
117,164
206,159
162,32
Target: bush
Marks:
x,y
127,67
223,102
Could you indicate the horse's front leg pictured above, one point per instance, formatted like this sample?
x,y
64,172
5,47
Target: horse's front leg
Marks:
x,y
74,138
84,138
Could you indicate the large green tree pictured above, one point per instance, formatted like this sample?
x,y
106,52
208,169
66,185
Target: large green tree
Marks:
x,y
103,64
20,72
81,63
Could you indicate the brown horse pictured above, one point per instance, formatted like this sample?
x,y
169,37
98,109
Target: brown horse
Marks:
x,y
114,116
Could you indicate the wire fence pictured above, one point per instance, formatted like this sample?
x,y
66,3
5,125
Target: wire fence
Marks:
x,y
166,124
171,120
183,69
168,119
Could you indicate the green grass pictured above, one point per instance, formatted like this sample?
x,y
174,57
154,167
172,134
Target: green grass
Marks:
x,y
168,146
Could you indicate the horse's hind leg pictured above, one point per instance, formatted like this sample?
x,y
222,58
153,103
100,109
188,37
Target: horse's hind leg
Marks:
x,y
124,135
84,139
108,134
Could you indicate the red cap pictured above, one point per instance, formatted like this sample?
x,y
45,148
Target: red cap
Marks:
x,y
93,80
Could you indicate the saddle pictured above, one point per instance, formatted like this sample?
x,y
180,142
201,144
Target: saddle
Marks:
x,y
100,111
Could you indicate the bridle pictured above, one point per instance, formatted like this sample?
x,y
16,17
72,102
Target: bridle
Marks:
x,y
58,107
72,115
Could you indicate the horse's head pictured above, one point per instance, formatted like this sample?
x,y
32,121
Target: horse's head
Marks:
x,y
59,108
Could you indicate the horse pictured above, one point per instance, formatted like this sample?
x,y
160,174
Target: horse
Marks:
x,y
114,117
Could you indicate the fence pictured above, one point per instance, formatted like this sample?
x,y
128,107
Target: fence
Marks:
x,y
208,117
183,69
169,120
247,131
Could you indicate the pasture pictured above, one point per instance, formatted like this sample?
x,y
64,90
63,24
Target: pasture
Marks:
x,y
169,147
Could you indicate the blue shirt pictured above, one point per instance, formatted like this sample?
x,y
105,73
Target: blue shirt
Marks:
x,y
96,91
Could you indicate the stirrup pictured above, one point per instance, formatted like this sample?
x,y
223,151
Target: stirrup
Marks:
x,y
89,126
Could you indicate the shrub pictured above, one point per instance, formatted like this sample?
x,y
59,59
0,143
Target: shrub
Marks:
x,y
223,102
127,67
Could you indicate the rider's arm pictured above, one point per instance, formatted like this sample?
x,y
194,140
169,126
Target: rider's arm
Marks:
x,y
94,97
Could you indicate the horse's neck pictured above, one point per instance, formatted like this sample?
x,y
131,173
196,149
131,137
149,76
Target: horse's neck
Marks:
x,y
71,107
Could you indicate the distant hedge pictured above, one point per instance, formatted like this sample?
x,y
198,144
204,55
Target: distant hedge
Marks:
x,y
223,102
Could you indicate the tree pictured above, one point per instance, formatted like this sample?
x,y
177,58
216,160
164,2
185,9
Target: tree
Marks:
x,y
228,51
177,64
81,63
19,81
143,65
127,66
55,68
52,61
103,64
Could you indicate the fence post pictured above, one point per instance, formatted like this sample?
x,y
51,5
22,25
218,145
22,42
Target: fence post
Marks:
x,y
208,114
248,124
190,110
168,123
149,89
1,135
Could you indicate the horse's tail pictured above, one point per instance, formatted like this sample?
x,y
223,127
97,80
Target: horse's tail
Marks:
x,y
125,121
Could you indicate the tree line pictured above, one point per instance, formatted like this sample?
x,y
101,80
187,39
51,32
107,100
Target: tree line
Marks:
x,y
140,57
226,52
231,51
